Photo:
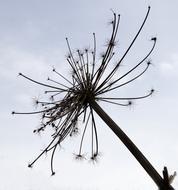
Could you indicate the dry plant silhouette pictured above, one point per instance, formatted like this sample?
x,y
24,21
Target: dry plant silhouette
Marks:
x,y
78,97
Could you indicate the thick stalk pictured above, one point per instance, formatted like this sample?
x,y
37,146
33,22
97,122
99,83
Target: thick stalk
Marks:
x,y
131,146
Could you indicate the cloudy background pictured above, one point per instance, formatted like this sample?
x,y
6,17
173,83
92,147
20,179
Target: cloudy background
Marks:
x,y
32,40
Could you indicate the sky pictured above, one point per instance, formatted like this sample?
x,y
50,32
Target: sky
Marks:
x,y
32,41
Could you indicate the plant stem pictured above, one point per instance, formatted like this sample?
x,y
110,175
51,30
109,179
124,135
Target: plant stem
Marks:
x,y
131,146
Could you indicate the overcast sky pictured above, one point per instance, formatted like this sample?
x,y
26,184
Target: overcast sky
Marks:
x,y
32,40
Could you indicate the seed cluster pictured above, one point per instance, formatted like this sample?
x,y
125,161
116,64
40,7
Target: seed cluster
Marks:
x,y
89,81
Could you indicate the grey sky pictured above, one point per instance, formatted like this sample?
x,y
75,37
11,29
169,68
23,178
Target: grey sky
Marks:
x,y
32,40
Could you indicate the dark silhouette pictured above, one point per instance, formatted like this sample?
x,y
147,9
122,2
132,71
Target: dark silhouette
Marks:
x,y
90,84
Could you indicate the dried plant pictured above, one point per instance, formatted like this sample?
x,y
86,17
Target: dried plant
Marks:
x,y
88,85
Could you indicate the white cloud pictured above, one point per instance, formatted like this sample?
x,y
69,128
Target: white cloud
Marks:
x,y
169,68
15,60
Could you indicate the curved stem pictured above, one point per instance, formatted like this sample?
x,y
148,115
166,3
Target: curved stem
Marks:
x,y
131,146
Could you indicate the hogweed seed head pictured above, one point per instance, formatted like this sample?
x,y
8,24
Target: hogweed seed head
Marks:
x,y
89,81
